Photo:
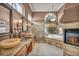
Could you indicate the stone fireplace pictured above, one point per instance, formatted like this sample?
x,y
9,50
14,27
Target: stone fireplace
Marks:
x,y
71,36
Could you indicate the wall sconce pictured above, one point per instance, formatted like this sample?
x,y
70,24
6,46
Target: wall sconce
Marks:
x,y
20,21
28,24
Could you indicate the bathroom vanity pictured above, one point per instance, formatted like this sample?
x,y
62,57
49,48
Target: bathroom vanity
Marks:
x,y
24,47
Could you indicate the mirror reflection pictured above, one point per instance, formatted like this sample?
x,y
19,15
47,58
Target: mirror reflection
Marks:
x,y
50,21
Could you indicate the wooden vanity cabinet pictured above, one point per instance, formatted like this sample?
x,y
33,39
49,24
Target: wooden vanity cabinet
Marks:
x,y
33,42
22,52
27,48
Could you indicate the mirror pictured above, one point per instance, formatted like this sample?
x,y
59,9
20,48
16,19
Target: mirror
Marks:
x,y
50,17
24,24
50,23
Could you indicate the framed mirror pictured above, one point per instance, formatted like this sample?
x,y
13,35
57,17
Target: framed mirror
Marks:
x,y
51,23
24,25
4,19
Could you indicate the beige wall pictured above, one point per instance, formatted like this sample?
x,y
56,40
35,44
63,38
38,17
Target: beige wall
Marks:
x,y
39,15
71,13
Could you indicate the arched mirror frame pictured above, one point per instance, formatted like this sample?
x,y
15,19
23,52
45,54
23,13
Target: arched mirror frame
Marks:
x,y
51,26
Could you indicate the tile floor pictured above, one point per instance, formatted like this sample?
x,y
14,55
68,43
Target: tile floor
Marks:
x,y
44,49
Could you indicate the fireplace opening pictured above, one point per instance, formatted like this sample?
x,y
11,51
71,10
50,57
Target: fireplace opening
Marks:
x,y
71,36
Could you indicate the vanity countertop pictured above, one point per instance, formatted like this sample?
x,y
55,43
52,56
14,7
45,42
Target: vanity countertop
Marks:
x,y
13,51
55,36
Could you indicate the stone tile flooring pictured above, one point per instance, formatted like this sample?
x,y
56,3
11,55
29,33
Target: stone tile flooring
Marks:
x,y
44,49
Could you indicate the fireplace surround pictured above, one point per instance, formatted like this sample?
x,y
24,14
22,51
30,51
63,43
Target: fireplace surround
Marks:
x,y
71,36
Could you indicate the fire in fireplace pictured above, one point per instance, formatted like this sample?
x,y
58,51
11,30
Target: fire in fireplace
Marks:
x,y
71,36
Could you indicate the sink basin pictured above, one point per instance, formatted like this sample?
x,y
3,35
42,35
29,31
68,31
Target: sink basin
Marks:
x,y
9,43
27,35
